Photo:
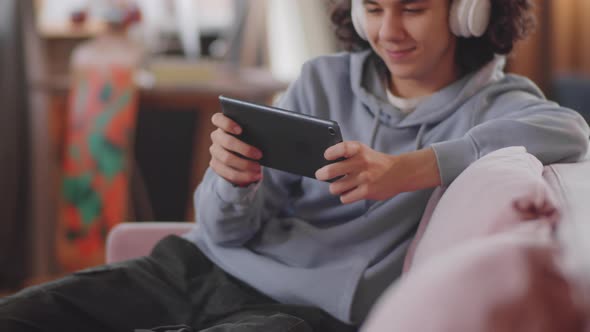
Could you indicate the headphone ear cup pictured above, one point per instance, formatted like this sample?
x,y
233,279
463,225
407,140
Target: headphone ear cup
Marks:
x,y
454,18
469,18
458,18
479,17
357,14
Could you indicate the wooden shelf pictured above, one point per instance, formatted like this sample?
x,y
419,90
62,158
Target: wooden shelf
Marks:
x,y
71,31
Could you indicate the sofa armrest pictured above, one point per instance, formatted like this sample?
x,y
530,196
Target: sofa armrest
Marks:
x,y
130,240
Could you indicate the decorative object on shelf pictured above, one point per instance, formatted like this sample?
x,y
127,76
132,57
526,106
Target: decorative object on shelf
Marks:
x,y
95,183
98,148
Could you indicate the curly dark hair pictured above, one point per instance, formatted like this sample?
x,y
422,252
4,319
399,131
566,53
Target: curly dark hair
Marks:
x,y
510,21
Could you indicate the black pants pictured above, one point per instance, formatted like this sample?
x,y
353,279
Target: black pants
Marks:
x,y
176,288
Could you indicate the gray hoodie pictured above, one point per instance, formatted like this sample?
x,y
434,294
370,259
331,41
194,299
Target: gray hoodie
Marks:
x,y
291,239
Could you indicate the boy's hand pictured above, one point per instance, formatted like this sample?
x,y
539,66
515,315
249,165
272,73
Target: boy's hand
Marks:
x,y
369,174
225,161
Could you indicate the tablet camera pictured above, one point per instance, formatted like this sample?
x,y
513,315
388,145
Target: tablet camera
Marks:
x,y
332,131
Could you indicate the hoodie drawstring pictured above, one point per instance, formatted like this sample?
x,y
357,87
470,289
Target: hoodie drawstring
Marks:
x,y
420,136
375,129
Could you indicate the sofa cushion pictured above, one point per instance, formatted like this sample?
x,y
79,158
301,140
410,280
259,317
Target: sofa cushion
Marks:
x,y
504,282
496,192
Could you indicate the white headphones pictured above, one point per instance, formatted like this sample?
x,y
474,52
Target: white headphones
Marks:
x,y
468,18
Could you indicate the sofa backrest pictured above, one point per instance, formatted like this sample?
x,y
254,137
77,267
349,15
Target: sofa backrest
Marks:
x,y
571,183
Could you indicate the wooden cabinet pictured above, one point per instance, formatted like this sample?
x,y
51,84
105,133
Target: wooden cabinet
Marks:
x,y
559,44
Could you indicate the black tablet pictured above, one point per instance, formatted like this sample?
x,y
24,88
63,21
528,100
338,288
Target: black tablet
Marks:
x,y
289,141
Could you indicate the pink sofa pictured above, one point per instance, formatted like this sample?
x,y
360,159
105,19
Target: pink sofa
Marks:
x,y
511,205
136,239
504,249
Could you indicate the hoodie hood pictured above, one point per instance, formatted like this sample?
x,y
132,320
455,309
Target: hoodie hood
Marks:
x,y
367,84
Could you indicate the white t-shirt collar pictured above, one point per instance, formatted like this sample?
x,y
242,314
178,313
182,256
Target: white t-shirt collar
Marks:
x,y
405,105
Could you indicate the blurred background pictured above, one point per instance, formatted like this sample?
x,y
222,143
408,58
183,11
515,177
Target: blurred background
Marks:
x,y
105,106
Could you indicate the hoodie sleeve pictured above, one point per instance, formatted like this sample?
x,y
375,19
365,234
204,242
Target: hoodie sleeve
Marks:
x,y
232,215
549,132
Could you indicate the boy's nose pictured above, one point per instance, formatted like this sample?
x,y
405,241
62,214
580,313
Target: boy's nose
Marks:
x,y
392,28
